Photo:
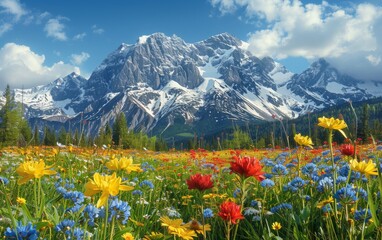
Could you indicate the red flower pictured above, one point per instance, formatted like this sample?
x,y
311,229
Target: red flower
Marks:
x,y
200,182
230,211
347,149
247,167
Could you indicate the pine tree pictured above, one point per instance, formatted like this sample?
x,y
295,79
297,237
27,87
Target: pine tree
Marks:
x,y
120,131
10,117
36,136
62,136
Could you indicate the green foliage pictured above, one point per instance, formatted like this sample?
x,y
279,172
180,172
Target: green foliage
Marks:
x,y
14,130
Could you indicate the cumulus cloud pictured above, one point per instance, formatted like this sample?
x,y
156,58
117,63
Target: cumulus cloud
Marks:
x,y
12,7
349,38
78,59
55,29
21,67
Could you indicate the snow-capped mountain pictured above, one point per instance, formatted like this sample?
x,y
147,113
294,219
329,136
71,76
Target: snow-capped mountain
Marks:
x,y
167,86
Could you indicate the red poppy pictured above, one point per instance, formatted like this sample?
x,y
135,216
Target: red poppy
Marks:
x,y
247,167
200,182
347,149
230,211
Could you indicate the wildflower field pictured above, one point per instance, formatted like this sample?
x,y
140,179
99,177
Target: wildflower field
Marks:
x,y
325,192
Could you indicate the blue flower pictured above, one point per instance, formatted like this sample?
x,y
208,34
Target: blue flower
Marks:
x,y
172,212
208,213
267,183
309,169
65,226
325,184
137,192
120,210
346,195
294,185
237,193
147,183
78,233
251,211
362,193
91,213
281,206
4,180
341,179
28,232
362,215
254,203
279,170
290,165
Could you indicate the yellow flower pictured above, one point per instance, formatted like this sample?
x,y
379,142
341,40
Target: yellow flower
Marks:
x,y
276,226
127,236
332,124
153,236
108,185
33,169
123,164
176,227
325,202
303,140
21,200
368,168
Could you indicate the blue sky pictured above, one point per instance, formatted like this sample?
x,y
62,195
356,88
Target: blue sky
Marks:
x,y
41,40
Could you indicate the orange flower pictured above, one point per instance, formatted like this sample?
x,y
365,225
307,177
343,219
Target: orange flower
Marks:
x,y
247,167
200,182
230,212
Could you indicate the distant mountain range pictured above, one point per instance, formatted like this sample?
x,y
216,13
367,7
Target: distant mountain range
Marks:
x,y
168,87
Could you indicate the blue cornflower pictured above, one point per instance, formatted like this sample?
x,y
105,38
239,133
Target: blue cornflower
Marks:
x,y
120,210
137,192
281,206
65,226
267,162
279,170
91,213
362,215
296,184
344,170
22,232
208,213
346,195
147,183
309,169
4,180
267,183
61,190
145,166
307,198
325,184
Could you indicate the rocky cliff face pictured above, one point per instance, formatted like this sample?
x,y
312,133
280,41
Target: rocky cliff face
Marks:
x,y
167,86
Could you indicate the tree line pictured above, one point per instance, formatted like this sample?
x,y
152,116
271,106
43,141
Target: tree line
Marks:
x,y
16,131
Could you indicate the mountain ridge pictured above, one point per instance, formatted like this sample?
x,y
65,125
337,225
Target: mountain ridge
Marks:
x,y
165,85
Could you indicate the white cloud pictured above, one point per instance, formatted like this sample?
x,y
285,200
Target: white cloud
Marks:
x,y
21,67
97,30
344,36
79,36
55,29
5,28
13,7
78,59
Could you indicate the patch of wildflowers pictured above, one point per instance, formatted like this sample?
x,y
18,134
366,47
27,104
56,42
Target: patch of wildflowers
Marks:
x,y
325,184
295,185
282,206
279,170
65,226
119,210
90,213
22,232
346,195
